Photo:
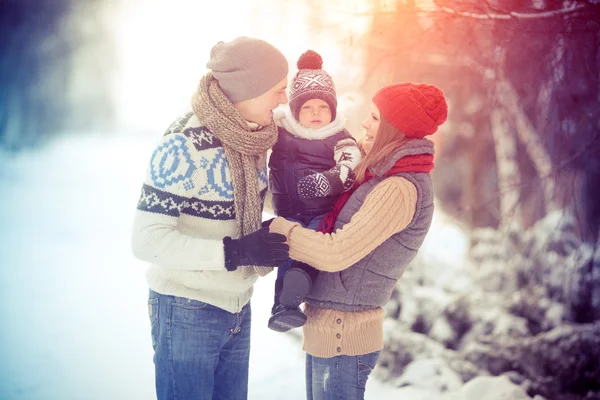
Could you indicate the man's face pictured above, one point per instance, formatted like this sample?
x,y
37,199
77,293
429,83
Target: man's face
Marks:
x,y
315,114
260,109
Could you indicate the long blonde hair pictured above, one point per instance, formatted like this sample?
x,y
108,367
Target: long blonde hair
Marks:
x,y
387,141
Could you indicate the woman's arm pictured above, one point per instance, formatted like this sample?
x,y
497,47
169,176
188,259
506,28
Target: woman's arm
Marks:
x,y
388,209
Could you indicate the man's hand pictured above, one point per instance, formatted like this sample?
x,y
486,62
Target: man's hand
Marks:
x,y
267,223
261,248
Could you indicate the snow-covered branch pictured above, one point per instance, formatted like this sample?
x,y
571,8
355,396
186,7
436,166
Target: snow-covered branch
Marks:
x,y
508,15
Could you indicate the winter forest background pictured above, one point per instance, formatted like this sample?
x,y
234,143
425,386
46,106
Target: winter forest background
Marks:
x,y
503,298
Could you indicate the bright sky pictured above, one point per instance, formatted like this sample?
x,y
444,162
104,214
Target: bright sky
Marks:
x,y
163,47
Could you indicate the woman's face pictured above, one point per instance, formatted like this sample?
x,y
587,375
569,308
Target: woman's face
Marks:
x,y
371,125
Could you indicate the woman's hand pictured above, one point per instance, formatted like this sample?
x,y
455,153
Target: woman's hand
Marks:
x,y
365,145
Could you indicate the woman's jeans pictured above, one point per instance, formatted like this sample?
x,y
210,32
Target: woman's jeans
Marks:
x,y
201,352
338,378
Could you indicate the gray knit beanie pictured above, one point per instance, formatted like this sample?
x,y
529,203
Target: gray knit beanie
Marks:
x,y
246,67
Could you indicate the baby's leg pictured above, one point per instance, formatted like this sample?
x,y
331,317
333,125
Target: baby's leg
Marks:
x,y
287,315
296,286
281,270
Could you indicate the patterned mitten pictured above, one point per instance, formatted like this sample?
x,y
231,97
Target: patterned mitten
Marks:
x,y
328,183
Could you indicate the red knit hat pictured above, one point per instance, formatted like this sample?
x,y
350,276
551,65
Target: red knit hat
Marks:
x,y
415,110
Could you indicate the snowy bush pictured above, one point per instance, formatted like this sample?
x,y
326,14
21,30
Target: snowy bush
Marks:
x,y
525,309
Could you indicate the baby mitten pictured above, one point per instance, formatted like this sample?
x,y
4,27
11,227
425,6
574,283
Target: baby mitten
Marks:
x,y
328,183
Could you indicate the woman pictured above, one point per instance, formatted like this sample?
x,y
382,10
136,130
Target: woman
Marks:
x,y
367,241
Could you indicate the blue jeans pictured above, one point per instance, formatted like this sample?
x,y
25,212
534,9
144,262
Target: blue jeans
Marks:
x,y
338,378
313,224
201,352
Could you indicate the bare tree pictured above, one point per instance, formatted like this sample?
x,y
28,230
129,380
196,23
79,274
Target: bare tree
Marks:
x,y
449,42
527,134
508,172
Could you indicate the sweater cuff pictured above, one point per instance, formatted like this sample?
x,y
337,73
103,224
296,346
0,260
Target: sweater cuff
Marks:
x,y
283,226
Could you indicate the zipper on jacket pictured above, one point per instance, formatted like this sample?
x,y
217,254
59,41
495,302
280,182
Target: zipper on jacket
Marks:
x,y
290,178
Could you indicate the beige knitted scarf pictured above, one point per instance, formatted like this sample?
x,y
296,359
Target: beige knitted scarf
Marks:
x,y
245,150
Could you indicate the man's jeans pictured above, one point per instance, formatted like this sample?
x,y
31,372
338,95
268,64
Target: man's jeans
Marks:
x,y
341,377
201,352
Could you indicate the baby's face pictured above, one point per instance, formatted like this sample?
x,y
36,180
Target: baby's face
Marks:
x,y
315,114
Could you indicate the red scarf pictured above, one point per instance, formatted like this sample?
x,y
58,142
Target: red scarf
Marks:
x,y
416,163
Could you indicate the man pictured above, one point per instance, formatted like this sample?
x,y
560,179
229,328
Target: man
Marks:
x,y
198,222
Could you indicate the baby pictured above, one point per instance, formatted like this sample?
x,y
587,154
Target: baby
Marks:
x,y
311,165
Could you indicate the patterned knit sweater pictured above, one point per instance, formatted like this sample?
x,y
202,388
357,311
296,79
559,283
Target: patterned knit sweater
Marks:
x,y
185,210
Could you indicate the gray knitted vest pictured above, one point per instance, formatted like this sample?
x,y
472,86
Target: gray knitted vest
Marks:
x,y
369,283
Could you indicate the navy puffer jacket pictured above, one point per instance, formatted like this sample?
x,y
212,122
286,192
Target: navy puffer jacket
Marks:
x,y
292,159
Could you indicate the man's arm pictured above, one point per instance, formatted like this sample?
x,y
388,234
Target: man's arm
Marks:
x,y
157,240
167,190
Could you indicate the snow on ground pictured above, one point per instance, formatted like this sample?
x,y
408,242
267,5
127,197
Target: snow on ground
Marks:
x,y
73,298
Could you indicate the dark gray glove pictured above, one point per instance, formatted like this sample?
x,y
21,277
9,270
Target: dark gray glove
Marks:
x,y
267,223
260,248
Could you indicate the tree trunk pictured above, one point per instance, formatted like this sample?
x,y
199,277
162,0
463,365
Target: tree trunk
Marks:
x,y
509,177
526,133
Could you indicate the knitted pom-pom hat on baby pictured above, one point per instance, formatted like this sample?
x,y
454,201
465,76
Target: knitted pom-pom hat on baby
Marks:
x,y
415,110
312,82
